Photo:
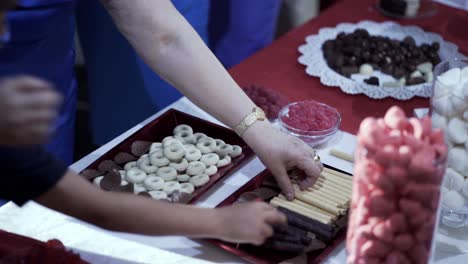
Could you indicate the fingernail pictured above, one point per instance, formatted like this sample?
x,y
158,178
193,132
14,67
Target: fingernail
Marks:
x,y
290,195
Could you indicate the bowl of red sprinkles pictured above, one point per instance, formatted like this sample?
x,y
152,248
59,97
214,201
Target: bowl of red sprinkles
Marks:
x,y
313,122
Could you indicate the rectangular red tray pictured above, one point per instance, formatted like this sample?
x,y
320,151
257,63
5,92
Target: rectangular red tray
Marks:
x,y
162,127
258,255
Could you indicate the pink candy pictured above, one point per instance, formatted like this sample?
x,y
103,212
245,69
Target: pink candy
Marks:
x,y
396,189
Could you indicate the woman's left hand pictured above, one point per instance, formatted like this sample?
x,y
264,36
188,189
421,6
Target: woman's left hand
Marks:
x,y
280,153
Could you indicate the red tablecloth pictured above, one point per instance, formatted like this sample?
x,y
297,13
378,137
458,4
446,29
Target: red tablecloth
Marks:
x,y
276,66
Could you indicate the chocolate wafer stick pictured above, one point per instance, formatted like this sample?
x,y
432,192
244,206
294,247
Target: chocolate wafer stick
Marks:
x,y
340,174
298,209
308,224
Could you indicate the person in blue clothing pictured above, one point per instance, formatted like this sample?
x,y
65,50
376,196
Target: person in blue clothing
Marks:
x,y
171,47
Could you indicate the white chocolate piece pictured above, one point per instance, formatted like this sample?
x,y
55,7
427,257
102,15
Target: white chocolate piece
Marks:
x,y
450,78
185,137
236,151
122,173
429,76
180,166
226,160
453,200
199,180
458,160
366,69
211,170
183,178
439,121
157,158
141,159
198,136
193,154
453,180
97,180
391,84
170,187
456,131
135,175
174,152
158,195
464,72
196,168
153,183
425,67
130,165
465,188
210,159
187,187
183,127
138,188
416,74
443,106
402,81
146,166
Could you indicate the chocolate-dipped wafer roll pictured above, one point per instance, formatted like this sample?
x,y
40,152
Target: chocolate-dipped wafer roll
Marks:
x,y
319,229
293,248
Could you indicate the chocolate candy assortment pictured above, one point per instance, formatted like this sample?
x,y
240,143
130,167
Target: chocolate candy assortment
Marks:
x,y
399,167
450,113
315,215
170,170
271,101
361,53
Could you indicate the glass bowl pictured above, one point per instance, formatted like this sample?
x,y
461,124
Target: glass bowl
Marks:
x,y
312,137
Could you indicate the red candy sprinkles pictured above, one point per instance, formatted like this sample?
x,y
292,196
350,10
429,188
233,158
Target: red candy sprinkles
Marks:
x,y
310,116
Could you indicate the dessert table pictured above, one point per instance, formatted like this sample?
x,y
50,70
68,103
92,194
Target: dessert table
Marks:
x,y
276,67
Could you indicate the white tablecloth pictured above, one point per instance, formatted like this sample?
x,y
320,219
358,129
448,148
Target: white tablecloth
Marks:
x,y
41,223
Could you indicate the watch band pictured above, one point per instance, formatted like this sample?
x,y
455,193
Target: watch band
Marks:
x,y
257,114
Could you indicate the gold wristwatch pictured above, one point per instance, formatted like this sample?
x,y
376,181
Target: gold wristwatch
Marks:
x,y
257,114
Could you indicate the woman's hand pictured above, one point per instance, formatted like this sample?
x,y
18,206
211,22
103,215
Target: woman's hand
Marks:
x,y
280,153
249,222
28,107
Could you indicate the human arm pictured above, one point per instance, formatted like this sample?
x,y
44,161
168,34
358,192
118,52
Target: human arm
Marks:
x,y
171,47
245,223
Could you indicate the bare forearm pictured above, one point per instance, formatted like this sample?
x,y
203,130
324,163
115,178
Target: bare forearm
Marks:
x,y
129,213
173,49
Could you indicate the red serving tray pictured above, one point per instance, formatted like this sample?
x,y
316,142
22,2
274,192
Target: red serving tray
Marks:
x,y
258,255
162,127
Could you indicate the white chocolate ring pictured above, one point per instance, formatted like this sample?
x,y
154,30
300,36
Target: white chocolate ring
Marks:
x,y
170,187
187,187
97,180
198,136
157,158
181,166
141,159
167,173
199,180
211,170
122,173
135,175
193,154
236,151
147,167
153,183
155,146
138,188
219,142
182,127
168,141
174,152
196,168
210,159
183,178
130,165
184,136
206,145
224,149
158,195
226,160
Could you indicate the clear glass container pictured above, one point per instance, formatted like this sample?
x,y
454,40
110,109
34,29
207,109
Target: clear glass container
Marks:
x,y
449,112
402,9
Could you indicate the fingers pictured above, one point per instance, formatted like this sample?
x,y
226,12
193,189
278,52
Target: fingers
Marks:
x,y
275,217
45,99
30,84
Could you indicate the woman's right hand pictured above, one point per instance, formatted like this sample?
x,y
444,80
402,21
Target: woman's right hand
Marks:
x,y
249,222
28,108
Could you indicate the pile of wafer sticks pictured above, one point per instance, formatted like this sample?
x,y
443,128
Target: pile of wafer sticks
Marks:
x,y
325,202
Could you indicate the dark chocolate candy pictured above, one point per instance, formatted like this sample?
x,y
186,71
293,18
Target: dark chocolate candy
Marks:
x,y
139,147
348,70
372,81
90,174
128,188
415,80
111,180
124,157
108,165
323,231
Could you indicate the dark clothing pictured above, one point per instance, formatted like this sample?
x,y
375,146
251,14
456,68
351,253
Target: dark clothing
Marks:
x,y
28,172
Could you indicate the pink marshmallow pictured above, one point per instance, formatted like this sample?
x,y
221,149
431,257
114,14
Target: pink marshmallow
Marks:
x,y
419,254
403,241
410,208
396,257
395,118
383,232
380,206
374,248
397,223
397,175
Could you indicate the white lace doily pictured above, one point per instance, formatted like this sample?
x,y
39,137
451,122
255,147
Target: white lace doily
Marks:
x,y
312,57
